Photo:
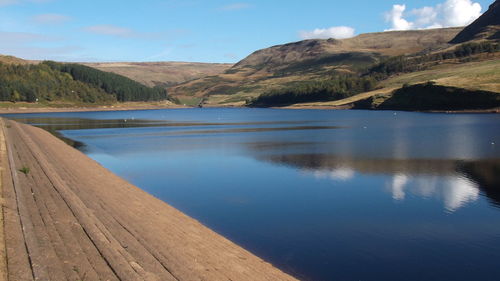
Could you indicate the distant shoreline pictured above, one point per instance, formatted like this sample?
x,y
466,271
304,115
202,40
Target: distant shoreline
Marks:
x,y
115,107
326,107
144,106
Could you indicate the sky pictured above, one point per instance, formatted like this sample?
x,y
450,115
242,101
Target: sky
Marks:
x,y
204,31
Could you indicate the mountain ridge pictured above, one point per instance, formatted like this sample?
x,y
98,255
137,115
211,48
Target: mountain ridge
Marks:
x,y
307,60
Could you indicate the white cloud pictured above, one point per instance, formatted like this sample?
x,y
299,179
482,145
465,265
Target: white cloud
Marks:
x,y
395,17
163,54
425,16
235,7
7,2
448,14
459,12
123,32
108,29
50,18
13,2
14,38
29,46
336,32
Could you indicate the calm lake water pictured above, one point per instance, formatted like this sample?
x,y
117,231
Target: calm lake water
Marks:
x,y
324,195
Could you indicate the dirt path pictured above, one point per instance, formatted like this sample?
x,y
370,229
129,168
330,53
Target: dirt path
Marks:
x,y
68,218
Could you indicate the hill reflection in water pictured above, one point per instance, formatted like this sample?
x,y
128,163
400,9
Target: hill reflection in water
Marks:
x,y
455,182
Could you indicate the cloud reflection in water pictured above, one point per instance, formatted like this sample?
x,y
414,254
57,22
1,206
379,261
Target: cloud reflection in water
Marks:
x,y
451,181
455,192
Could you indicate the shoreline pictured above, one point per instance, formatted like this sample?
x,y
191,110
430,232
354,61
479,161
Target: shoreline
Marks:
x,y
467,111
68,218
24,110
118,107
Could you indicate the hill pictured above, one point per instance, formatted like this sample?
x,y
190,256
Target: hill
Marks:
x,y
290,64
49,82
463,76
162,73
376,44
485,27
471,67
13,60
336,71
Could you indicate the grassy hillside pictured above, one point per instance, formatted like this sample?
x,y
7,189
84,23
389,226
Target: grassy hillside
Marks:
x,y
282,66
477,75
336,87
12,60
162,73
376,44
55,82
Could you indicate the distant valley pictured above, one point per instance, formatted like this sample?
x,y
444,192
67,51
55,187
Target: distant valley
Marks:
x,y
162,73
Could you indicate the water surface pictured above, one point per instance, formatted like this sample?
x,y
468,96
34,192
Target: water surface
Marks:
x,y
324,195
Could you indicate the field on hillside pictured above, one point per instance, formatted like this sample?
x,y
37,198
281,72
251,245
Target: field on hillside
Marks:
x,y
483,75
162,73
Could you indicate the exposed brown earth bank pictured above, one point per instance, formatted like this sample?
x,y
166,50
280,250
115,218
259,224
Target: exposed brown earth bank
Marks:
x,y
68,218
35,108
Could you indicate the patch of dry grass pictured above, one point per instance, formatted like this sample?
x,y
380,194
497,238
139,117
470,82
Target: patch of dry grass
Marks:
x,y
483,75
162,73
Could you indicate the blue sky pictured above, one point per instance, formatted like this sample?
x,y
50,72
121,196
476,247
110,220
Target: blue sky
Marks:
x,y
204,31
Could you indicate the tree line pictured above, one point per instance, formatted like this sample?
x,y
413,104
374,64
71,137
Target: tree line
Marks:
x,y
335,88
51,81
400,64
123,88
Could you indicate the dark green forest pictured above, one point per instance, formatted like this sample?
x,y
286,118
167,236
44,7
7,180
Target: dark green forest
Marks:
x,y
402,64
123,88
335,88
51,81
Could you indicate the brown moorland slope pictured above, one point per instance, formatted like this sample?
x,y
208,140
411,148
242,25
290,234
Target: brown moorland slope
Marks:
x,y
391,43
278,66
162,73
13,60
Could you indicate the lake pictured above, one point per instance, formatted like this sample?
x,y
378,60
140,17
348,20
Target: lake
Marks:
x,y
321,194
